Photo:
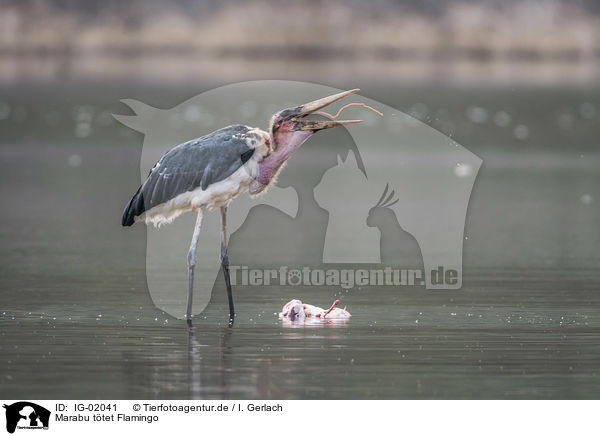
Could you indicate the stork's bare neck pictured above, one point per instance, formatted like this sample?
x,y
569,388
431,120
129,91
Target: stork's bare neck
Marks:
x,y
270,166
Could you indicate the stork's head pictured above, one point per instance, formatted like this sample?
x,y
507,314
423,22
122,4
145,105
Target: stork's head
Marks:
x,y
289,128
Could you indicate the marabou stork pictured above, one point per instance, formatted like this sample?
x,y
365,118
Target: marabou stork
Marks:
x,y
208,172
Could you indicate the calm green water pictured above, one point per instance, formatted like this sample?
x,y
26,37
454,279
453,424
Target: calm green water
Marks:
x,y
76,319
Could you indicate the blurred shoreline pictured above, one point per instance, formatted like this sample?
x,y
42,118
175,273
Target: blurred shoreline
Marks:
x,y
188,70
491,42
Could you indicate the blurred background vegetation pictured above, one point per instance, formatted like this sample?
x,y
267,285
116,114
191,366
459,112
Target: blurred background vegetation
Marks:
x,y
488,41
458,40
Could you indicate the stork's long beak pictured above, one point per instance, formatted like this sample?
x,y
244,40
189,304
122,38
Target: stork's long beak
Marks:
x,y
296,114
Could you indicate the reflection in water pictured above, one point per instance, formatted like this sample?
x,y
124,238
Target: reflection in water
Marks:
x,y
216,370
194,357
195,360
314,322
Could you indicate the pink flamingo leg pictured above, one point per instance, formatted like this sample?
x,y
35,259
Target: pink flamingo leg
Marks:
x,y
335,303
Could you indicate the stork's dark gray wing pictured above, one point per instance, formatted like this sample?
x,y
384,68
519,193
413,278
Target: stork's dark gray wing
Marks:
x,y
199,162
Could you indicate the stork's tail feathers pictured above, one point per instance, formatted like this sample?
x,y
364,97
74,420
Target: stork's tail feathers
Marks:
x,y
134,208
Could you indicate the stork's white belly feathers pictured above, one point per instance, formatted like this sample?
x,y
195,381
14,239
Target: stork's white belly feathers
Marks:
x,y
216,195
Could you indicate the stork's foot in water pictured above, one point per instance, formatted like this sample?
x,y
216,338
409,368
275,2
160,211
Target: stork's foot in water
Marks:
x,y
295,310
225,268
225,264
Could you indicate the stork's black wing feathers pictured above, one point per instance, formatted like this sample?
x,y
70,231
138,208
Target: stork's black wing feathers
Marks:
x,y
199,162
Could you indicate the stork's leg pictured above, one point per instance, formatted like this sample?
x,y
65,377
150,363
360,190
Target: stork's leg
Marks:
x,y
191,259
225,263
